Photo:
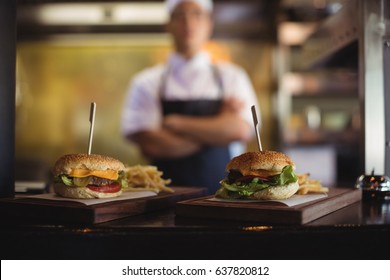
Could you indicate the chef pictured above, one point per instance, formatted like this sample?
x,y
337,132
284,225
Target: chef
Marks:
x,y
190,115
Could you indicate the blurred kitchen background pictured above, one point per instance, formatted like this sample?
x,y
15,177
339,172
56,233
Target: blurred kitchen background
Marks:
x,y
301,55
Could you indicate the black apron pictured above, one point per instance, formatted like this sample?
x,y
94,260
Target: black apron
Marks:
x,y
206,167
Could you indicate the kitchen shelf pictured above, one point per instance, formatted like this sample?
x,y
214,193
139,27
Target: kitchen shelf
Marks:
x,y
354,39
335,41
319,103
332,83
322,137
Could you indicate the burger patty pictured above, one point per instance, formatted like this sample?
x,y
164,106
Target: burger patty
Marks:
x,y
233,175
92,180
100,181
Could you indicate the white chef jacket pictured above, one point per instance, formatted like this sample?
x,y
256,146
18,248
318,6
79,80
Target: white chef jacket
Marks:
x,y
186,80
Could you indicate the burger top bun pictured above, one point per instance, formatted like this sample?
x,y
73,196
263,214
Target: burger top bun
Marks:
x,y
66,163
265,160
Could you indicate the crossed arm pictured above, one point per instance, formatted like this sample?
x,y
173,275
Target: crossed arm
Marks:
x,y
182,135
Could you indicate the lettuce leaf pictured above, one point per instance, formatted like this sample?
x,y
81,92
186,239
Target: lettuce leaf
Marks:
x,y
242,190
122,179
287,176
64,179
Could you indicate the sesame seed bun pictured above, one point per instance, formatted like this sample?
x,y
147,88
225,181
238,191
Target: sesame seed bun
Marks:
x,y
262,160
66,163
276,192
262,164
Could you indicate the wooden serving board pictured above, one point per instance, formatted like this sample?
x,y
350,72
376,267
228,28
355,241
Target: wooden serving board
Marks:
x,y
268,212
75,212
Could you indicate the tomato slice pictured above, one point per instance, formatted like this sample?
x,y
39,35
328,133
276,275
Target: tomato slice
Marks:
x,y
112,188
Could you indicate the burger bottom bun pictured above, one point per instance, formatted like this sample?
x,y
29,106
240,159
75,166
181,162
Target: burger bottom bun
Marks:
x,y
276,192
81,192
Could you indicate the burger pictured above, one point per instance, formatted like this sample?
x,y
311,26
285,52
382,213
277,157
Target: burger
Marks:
x,y
88,176
263,175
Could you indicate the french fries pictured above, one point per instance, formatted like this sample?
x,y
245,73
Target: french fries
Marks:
x,y
146,178
307,185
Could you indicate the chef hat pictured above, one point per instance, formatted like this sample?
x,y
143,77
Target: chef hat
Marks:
x,y
205,4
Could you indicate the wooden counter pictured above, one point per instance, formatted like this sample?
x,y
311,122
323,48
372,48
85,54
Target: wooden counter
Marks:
x,y
358,231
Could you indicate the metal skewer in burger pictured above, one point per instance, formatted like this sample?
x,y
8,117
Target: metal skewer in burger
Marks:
x,y
88,176
262,175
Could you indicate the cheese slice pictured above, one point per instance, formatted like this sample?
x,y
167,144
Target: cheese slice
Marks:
x,y
259,172
106,174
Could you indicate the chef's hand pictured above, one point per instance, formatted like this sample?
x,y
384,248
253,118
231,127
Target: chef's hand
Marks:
x,y
221,129
162,143
232,105
175,122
